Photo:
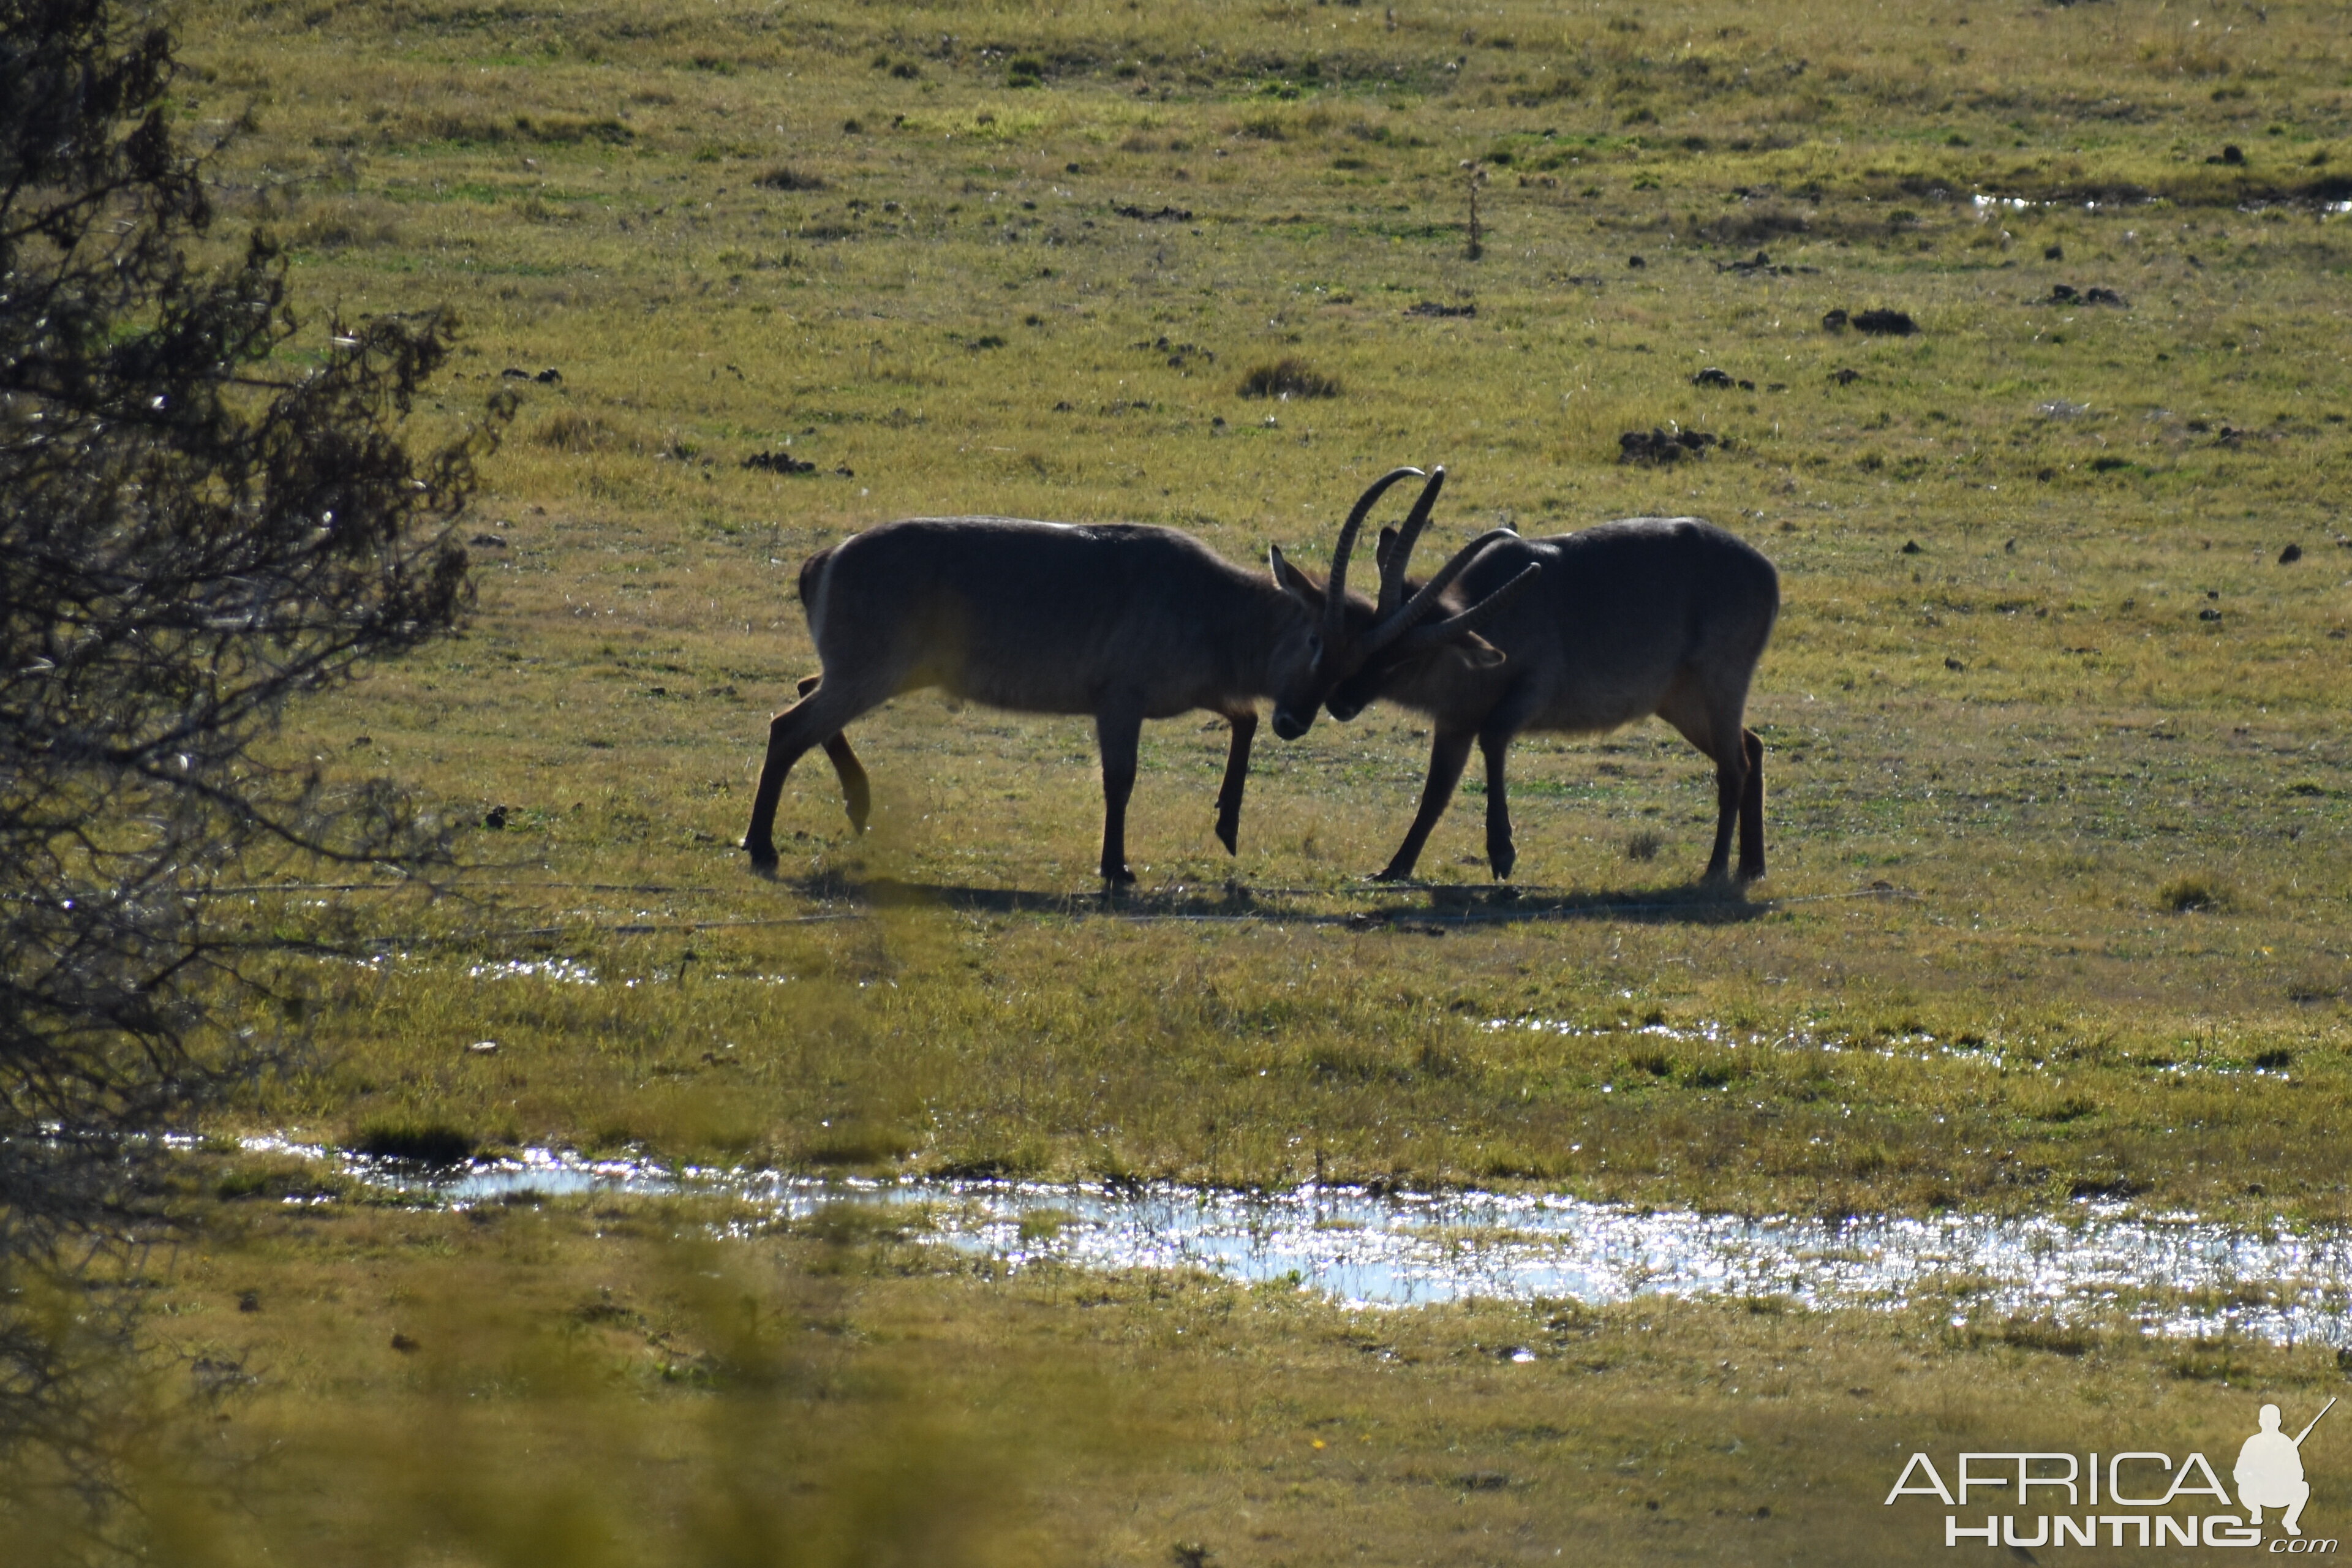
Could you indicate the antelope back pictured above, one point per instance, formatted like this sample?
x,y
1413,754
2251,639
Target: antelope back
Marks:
x,y
1047,617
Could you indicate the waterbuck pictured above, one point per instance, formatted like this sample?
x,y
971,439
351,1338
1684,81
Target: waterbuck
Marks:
x,y
1650,614
1121,622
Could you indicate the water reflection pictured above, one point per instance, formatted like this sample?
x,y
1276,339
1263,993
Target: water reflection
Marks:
x,y
2173,1276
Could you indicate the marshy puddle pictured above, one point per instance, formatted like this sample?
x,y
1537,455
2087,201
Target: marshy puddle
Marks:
x,y
554,971
2173,1276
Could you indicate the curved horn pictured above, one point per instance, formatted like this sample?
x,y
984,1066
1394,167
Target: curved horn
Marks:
x,y
1392,566
1420,603
1470,619
1335,591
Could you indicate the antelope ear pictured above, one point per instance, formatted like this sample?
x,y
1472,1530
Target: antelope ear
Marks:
x,y
1482,654
1381,550
1294,582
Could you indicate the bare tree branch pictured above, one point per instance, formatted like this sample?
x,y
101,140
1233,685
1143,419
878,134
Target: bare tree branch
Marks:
x,y
198,523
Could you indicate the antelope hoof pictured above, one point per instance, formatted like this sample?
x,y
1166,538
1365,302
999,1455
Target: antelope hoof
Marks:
x,y
1394,874
1501,861
763,855
1754,873
1229,835
1118,875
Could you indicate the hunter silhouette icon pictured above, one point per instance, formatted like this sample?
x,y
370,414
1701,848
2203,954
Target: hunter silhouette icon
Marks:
x,y
2270,1470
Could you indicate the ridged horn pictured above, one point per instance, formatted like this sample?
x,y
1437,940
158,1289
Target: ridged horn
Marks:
x,y
1476,615
1392,565
1397,624
1335,592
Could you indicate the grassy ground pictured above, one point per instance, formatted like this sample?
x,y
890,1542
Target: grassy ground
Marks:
x,y
2059,879
2057,854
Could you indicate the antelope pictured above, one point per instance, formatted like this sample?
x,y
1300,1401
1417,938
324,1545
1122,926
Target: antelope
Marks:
x,y
1665,615
1120,622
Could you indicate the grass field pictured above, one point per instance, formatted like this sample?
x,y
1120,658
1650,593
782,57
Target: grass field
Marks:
x,y
2056,776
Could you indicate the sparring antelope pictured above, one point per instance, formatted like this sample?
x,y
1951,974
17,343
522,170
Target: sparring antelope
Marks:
x,y
1665,615
1120,622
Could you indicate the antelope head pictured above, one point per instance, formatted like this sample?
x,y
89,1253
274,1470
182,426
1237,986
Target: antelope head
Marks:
x,y
1358,641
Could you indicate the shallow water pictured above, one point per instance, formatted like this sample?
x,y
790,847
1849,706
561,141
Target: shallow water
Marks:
x,y
2172,1276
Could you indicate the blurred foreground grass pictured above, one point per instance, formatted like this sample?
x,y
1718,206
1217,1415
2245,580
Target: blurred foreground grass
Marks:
x,y
586,1383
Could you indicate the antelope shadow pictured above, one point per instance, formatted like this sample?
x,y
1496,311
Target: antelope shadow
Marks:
x,y
1123,900
1426,907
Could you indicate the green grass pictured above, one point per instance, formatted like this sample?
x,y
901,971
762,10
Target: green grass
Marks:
x,y
2058,859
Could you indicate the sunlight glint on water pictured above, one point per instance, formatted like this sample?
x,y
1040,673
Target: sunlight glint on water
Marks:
x,y
2172,1276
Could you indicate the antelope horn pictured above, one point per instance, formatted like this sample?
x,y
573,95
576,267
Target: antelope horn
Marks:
x,y
1420,603
1335,591
1393,564
1472,618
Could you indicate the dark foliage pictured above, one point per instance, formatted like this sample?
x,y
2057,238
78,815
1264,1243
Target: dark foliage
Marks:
x,y
205,513
1664,445
790,179
425,1143
1894,324
1288,377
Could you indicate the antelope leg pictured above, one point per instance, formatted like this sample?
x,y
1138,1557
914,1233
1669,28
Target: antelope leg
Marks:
x,y
1229,797
1710,721
1751,810
1501,854
823,713
1447,759
854,792
1117,731
1494,740
1730,786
